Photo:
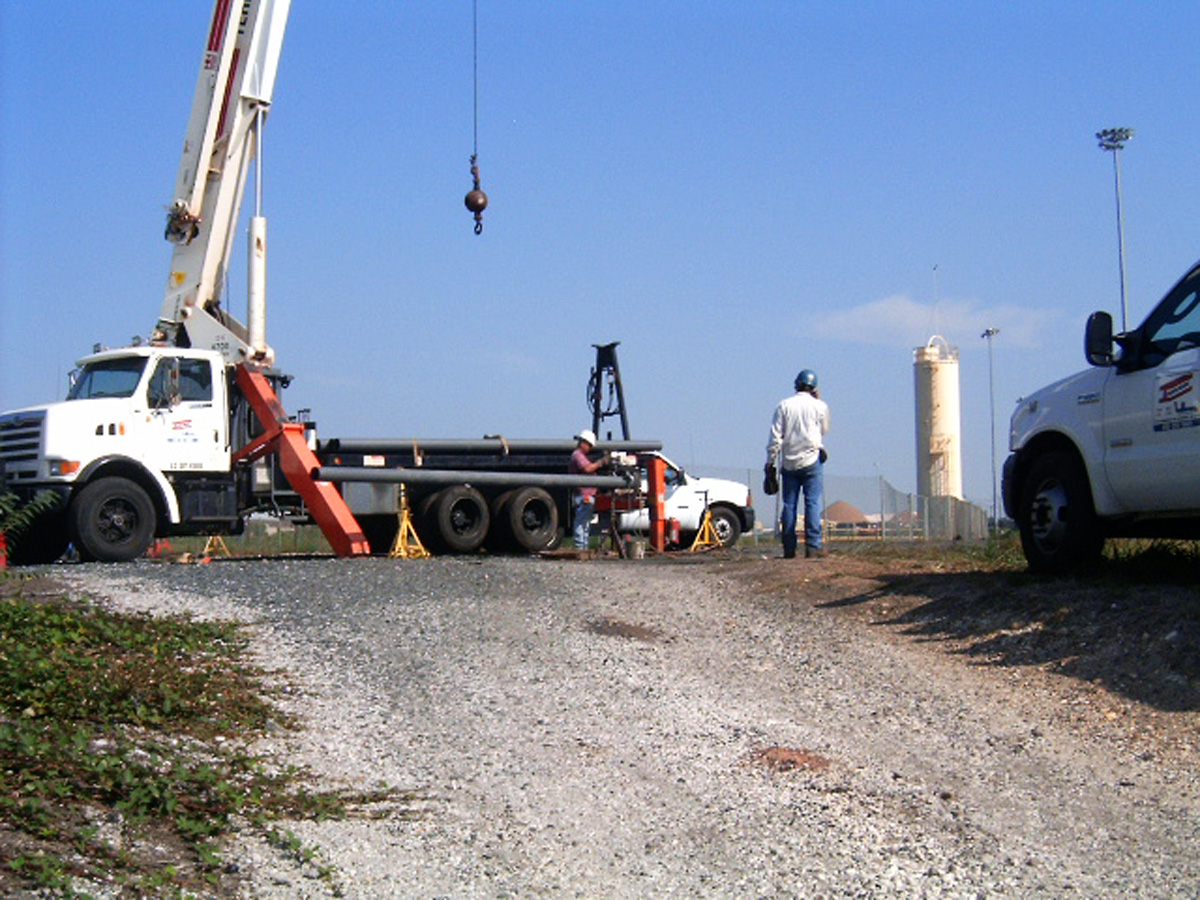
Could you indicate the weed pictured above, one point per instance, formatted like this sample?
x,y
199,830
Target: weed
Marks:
x,y
118,713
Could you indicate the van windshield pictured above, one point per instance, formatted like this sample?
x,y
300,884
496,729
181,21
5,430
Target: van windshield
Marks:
x,y
107,378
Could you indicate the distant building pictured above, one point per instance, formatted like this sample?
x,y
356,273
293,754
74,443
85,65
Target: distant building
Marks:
x,y
939,432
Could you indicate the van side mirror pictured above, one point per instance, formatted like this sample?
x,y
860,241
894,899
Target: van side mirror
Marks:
x,y
1098,339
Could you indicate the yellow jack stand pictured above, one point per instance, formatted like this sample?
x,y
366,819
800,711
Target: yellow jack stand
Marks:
x,y
407,544
706,537
215,546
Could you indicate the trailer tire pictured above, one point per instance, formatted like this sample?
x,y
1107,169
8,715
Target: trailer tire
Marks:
x,y
529,516
459,515
112,520
1056,515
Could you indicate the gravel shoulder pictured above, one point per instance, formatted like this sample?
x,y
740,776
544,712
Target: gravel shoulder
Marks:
x,y
718,725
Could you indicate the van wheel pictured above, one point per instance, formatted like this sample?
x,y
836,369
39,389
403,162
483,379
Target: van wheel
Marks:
x,y
112,520
1059,530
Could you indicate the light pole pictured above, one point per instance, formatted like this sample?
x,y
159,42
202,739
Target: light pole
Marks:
x,y
1114,139
987,335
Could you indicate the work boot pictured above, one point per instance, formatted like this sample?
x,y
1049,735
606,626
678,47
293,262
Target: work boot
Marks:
x,y
789,554
811,552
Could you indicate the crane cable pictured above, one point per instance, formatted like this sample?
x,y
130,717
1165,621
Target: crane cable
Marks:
x,y
476,200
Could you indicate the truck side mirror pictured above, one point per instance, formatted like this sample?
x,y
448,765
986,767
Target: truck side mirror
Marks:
x,y
1098,339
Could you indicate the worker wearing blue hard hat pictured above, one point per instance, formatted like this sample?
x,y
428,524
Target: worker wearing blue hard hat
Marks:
x,y
797,447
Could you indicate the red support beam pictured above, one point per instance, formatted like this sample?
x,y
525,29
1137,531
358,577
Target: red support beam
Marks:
x,y
297,461
656,489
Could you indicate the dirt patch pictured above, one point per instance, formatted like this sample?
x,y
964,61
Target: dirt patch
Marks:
x,y
616,628
787,759
1118,648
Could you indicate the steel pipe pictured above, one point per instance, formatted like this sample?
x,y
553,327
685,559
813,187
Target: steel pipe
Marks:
x,y
385,446
418,475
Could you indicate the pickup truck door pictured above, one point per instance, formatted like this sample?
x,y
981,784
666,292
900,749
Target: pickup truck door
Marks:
x,y
1152,414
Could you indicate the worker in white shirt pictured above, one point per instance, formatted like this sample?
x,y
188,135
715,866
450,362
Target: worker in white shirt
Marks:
x,y
797,446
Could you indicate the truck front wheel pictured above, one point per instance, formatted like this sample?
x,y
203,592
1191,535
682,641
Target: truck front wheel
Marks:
x,y
112,520
1057,519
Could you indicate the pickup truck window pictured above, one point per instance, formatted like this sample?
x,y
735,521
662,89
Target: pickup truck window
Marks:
x,y
1175,323
108,378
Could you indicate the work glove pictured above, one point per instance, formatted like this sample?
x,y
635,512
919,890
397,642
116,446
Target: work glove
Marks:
x,y
770,480
822,456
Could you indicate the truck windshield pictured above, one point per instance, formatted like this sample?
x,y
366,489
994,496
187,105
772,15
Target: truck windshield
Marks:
x,y
108,378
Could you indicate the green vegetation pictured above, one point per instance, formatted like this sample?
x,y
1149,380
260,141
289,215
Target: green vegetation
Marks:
x,y
17,518
123,749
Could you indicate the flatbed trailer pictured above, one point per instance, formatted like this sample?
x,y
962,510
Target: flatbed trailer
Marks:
x,y
509,495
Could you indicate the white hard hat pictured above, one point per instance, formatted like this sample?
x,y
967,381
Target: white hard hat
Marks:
x,y
587,435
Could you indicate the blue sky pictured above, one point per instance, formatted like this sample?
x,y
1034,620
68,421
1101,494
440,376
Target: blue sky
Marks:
x,y
733,191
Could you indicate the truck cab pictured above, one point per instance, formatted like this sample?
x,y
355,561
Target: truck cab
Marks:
x,y
142,440
1114,450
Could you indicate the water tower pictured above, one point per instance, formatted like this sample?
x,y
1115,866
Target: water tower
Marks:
x,y
939,433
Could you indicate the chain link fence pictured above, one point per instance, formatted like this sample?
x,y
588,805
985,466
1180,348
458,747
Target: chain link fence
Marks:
x,y
869,506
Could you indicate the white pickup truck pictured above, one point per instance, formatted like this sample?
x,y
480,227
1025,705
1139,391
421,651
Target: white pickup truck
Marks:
x,y
686,496
1112,451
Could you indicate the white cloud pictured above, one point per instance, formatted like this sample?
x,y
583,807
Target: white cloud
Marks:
x,y
901,320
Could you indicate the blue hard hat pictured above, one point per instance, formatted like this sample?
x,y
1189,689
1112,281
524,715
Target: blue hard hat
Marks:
x,y
806,379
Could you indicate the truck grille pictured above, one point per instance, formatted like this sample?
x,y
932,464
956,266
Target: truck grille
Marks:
x,y
20,443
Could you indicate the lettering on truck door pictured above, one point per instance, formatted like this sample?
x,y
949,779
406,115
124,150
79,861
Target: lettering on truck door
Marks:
x,y
1152,415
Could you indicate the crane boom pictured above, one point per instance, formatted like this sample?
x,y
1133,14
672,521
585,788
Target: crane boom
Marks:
x,y
224,137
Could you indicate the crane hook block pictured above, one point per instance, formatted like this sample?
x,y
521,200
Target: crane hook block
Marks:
x,y
476,200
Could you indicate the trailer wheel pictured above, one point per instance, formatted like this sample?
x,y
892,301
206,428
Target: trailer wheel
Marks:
x,y
112,520
530,517
1058,523
460,517
726,524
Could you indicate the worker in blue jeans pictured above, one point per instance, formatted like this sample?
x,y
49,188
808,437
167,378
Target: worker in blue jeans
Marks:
x,y
797,441
584,499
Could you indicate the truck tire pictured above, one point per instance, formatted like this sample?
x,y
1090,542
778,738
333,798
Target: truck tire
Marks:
x,y
459,515
530,517
112,520
1056,516
43,542
726,524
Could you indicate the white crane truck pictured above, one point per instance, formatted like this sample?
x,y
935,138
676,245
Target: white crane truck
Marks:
x,y
184,433
1114,450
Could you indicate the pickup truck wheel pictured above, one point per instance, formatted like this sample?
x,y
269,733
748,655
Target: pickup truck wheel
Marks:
x,y
726,524
112,520
460,515
1058,523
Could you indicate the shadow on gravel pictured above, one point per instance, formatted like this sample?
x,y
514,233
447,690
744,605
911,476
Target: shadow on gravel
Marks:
x,y
1137,638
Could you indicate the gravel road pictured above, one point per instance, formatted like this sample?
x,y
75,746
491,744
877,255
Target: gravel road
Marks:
x,y
668,728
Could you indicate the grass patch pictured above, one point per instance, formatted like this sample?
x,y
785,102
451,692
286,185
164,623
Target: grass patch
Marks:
x,y
123,749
